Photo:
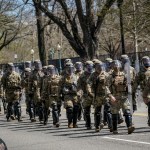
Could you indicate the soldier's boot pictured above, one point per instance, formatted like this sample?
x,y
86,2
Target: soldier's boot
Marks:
x,y
109,121
115,122
88,118
69,111
45,116
120,118
75,116
148,114
17,108
55,115
105,118
97,116
32,112
80,112
128,120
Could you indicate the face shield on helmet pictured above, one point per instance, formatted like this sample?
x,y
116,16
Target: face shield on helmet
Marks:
x,y
38,65
146,63
78,66
10,67
27,64
116,64
27,71
51,70
69,70
89,68
99,67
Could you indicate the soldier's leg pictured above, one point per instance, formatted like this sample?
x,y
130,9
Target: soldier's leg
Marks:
x,y
55,114
120,117
148,113
134,102
75,115
40,111
17,108
10,111
80,112
127,115
108,116
32,111
87,111
69,112
105,114
97,118
59,104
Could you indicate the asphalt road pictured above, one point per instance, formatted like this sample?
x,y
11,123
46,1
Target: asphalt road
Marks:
x,y
35,136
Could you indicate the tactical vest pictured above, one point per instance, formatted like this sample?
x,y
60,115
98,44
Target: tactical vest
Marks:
x,y
12,81
69,85
119,83
53,83
100,84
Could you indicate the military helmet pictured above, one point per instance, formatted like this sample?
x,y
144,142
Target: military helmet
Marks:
x,y
95,60
89,66
78,66
99,66
67,61
146,61
10,64
108,60
27,64
44,67
51,69
27,70
116,64
37,64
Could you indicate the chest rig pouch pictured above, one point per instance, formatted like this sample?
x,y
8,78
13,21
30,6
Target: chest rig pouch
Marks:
x,y
53,86
119,83
101,83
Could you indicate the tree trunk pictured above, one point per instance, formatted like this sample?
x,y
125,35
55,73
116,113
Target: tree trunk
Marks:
x,y
40,32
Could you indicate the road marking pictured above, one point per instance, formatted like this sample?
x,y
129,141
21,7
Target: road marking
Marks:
x,y
130,141
140,114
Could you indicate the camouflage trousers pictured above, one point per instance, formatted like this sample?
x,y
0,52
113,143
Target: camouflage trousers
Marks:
x,y
37,96
51,101
122,103
99,100
87,101
12,95
70,100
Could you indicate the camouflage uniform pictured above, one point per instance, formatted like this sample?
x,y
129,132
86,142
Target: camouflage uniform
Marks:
x,y
98,85
12,86
68,87
35,88
145,85
51,95
119,91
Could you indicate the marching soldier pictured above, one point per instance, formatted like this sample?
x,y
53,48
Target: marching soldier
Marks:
x,y
78,73
68,87
87,100
11,81
35,89
146,87
51,94
119,97
98,87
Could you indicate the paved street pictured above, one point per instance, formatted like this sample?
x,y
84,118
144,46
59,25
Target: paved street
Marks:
x,y
35,136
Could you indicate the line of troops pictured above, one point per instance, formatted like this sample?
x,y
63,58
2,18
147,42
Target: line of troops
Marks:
x,y
80,86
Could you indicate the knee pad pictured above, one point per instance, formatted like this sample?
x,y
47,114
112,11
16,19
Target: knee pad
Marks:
x,y
127,112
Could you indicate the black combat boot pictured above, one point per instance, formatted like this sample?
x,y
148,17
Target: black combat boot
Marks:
x,y
115,122
97,117
128,120
87,117
69,111
75,116
55,115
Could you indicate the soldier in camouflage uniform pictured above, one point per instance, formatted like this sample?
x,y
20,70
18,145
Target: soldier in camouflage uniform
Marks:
x,y
98,87
87,100
78,72
146,86
119,97
68,87
50,94
124,59
11,81
35,88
